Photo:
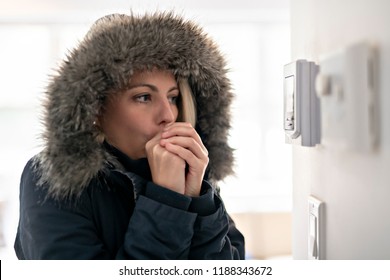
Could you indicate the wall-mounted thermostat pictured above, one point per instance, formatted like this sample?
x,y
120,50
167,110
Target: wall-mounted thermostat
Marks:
x,y
347,87
301,104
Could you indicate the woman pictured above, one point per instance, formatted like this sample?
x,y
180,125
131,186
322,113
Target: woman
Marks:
x,y
129,164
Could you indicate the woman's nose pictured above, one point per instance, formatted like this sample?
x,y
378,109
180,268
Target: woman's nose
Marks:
x,y
167,112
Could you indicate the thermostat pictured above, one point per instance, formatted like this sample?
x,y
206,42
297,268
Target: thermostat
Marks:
x,y
347,86
301,104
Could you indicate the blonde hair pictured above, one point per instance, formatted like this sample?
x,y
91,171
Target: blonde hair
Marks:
x,y
187,112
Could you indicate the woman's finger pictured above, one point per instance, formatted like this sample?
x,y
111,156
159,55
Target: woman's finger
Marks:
x,y
187,143
182,129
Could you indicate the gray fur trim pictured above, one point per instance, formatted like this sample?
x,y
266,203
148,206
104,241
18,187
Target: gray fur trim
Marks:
x,y
102,63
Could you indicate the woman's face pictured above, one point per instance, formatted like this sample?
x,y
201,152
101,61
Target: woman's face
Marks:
x,y
134,117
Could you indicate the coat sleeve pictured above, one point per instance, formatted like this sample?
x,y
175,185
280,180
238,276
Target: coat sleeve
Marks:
x,y
159,231
215,234
199,230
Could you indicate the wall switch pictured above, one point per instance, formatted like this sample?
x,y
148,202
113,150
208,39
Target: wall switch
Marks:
x,y
316,229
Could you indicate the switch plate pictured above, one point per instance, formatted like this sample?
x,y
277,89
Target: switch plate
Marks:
x,y
316,229
347,87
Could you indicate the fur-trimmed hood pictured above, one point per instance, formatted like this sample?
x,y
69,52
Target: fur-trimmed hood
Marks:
x,y
103,62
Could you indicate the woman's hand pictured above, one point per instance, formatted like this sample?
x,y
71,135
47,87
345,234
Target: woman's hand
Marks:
x,y
167,168
182,140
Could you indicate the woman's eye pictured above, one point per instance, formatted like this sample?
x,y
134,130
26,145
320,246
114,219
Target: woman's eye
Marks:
x,y
143,98
173,99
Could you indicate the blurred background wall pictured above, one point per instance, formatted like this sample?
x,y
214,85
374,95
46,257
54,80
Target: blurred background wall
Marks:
x,y
354,185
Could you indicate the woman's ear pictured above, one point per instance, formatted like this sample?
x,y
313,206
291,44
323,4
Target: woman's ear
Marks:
x,y
100,137
97,122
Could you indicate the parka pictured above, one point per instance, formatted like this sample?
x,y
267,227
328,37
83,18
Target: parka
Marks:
x,y
81,198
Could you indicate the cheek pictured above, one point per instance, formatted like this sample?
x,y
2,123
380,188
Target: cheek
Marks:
x,y
137,125
116,120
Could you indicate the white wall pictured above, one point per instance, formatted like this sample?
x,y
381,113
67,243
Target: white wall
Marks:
x,y
355,187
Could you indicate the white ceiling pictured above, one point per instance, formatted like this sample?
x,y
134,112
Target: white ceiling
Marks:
x,y
65,10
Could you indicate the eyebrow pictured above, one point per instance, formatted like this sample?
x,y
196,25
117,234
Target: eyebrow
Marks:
x,y
152,87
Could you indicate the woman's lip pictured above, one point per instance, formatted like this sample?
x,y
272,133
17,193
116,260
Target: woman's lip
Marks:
x,y
151,136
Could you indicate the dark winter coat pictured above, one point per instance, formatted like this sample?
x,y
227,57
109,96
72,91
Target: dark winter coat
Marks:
x,y
84,199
